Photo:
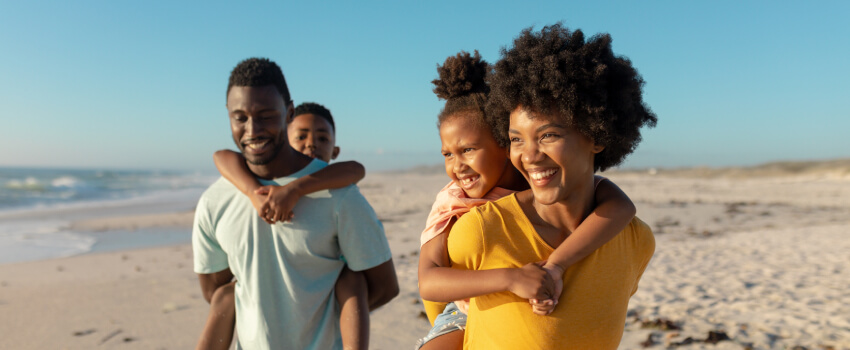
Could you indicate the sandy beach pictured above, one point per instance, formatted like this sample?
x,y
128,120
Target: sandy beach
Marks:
x,y
744,260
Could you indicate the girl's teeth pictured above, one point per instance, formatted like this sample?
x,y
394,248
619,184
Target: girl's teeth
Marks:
x,y
468,180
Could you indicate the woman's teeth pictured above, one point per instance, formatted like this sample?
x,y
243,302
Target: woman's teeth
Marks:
x,y
539,175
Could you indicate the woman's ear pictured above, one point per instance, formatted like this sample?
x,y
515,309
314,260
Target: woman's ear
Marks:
x,y
597,148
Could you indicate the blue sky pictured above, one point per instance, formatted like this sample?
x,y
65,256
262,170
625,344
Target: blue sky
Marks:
x,y
116,84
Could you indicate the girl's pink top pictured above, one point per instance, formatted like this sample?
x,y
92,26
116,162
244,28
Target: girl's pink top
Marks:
x,y
450,203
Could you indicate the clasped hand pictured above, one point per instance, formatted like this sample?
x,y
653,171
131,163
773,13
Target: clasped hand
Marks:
x,y
541,283
275,203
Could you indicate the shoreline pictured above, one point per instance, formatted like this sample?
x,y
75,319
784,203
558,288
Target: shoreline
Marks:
x,y
761,260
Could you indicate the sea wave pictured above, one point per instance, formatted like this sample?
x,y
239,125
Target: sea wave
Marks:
x,y
35,188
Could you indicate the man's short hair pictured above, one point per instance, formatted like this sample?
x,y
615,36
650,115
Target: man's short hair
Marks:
x,y
315,109
259,72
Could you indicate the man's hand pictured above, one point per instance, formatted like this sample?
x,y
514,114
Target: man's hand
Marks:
x,y
531,282
279,202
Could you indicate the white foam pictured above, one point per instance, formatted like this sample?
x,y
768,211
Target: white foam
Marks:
x,y
36,240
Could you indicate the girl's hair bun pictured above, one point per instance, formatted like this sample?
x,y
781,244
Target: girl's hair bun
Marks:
x,y
461,75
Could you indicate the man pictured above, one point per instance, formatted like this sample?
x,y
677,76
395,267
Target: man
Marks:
x,y
285,272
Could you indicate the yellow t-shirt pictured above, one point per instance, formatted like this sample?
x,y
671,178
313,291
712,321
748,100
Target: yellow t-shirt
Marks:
x,y
592,309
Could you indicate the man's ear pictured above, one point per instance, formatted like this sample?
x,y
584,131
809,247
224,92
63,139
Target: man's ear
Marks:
x,y
290,111
335,152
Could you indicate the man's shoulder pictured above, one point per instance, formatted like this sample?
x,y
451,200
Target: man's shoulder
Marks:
x,y
220,187
218,193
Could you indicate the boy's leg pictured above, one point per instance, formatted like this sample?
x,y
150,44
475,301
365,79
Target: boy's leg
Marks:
x,y
352,294
218,331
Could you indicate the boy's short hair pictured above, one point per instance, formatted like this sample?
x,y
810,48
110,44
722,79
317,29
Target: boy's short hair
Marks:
x,y
555,71
315,109
259,72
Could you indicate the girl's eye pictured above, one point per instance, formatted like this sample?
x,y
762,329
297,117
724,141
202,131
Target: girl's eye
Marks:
x,y
514,139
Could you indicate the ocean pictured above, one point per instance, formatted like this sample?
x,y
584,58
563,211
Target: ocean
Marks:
x,y
37,206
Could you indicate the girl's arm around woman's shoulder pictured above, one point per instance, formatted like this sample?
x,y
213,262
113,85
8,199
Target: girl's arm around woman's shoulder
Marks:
x,y
438,281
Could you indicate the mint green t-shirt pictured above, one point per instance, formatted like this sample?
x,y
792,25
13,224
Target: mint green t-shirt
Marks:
x,y
286,272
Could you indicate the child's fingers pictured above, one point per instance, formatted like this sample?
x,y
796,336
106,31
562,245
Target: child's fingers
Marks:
x,y
542,311
267,219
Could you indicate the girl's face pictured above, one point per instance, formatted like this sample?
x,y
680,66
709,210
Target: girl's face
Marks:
x,y
554,158
474,161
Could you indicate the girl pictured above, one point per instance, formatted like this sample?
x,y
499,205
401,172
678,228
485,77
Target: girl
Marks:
x,y
476,161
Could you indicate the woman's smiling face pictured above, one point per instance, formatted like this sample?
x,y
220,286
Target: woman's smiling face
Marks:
x,y
554,158
474,160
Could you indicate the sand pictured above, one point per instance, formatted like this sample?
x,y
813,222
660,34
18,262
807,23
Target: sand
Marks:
x,y
760,259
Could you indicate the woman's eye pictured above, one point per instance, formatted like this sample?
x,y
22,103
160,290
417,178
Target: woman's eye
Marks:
x,y
548,136
514,139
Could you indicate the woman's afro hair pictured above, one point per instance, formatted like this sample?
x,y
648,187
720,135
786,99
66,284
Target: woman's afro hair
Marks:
x,y
462,83
557,72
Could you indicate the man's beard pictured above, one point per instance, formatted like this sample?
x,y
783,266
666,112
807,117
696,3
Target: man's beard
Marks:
x,y
263,161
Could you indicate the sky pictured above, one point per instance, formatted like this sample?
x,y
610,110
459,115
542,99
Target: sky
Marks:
x,y
141,84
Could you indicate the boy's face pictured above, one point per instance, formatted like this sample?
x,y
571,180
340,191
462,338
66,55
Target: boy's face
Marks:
x,y
474,161
554,158
313,135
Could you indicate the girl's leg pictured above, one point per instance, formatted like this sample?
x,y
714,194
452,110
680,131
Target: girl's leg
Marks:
x,y
352,295
447,331
453,340
218,331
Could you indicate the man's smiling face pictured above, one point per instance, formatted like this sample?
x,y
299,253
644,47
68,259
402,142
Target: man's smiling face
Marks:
x,y
257,122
